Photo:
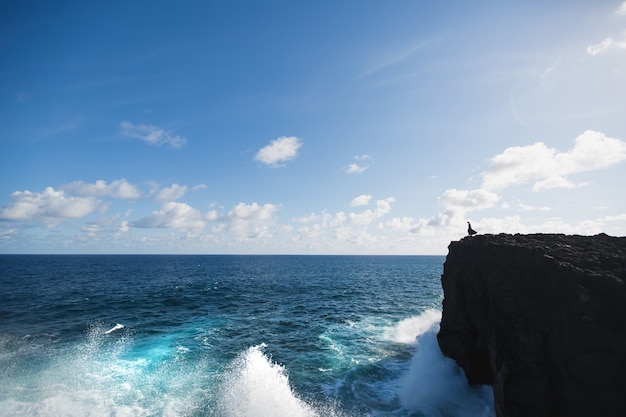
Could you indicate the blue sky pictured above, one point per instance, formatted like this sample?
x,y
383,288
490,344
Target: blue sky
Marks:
x,y
358,127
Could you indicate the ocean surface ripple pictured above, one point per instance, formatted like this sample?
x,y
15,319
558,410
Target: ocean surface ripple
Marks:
x,y
222,336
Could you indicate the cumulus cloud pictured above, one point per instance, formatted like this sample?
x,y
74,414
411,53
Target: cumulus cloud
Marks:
x,y
355,169
556,181
358,167
547,168
467,200
621,9
117,189
527,207
307,219
325,219
362,200
341,231
383,207
309,232
404,223
543,167
101,227
123,227
279,151
433,226
50,206
171,193
152,135
252,221
173,215
212,216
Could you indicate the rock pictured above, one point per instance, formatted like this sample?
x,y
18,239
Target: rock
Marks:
x,y
542,318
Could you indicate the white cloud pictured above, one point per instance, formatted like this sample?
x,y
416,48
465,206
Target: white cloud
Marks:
x,y
123,227
543,167
556,181
519,164
362,200
507,224
345,233
526,207
609,43
307,219
547,168
616,218
309,232
279,151
117,189
252,221
334,220
152,135
49,206
355,168
592,150
173,215
101,227
606,45
212,216
171,193
515,224
383,207
404,224
467,200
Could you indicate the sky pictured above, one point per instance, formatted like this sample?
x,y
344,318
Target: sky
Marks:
x,y
308,127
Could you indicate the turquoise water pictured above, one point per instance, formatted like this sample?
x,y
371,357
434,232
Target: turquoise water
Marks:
x,y
226,336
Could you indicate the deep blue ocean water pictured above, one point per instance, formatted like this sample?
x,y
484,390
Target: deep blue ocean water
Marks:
x,y
250,336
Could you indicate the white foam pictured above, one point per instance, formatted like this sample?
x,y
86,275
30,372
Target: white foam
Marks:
x,y
437,387
256,387
407,330
103,377
114,328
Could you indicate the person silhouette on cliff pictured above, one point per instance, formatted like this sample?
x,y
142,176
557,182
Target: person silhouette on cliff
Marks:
x,y
470,232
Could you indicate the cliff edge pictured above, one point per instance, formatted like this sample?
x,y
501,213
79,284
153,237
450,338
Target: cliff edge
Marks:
x,y
542,318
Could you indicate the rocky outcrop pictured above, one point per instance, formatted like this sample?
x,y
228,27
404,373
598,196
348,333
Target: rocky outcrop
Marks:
x,y
542,318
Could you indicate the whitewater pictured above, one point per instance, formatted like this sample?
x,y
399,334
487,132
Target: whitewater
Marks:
x,y
226,336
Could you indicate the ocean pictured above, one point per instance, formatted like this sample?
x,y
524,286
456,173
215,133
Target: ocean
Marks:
x,y
225,336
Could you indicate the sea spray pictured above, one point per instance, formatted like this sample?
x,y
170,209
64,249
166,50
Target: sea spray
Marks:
x,y
437,387
254,386
118,326
407,330
108,375
341,329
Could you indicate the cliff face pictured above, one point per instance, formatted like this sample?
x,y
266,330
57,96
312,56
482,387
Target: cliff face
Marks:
x,y
542,318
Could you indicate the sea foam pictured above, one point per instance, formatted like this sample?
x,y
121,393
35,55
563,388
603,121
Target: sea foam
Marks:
x,y
254,386
103,377
435,385
407,330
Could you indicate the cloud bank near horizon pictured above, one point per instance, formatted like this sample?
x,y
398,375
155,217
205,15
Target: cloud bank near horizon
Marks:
x,y
369,225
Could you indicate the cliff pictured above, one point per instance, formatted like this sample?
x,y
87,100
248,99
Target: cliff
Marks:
x,y
542,318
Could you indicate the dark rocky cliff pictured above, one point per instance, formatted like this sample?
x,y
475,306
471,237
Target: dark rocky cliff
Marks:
x,y
542,318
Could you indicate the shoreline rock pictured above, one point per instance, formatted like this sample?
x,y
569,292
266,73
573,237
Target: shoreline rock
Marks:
x,y
542,318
